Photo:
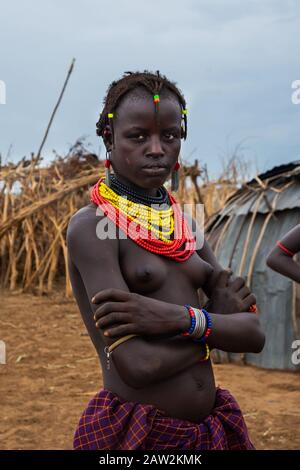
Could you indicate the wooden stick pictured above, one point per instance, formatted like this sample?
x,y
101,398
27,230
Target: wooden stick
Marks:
x,y
55,109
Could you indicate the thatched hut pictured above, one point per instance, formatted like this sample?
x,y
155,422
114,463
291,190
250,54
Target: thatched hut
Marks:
x,y
242,234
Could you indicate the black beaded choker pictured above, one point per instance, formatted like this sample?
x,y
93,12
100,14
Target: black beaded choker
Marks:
x,y
137,195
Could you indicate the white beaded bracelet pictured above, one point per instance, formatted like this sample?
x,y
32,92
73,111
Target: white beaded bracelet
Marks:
x,y
200,326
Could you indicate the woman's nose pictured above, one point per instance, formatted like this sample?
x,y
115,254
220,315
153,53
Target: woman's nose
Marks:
x,y
155,147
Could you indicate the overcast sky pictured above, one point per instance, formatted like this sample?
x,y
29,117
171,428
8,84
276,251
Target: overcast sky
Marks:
x,y
234,60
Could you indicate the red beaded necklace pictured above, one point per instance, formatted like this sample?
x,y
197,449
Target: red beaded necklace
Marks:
x,y
175,249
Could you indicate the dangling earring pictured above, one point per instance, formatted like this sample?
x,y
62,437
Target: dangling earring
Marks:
x,y
108,153
107,169
175,178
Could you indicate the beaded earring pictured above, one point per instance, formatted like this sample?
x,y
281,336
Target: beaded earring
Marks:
x,y
175,172
175,178
107,162
107,169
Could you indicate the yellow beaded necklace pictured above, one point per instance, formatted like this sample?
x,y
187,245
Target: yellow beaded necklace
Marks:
x,y
159,222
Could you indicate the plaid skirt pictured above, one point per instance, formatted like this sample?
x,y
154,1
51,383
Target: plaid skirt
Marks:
x,y
111,423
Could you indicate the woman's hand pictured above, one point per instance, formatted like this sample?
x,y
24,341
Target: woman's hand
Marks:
x,y
230,294
123,313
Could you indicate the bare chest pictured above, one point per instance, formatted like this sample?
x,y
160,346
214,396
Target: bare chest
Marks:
x,y
146,272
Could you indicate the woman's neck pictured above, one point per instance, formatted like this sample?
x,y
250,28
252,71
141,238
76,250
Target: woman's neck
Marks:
x,y
149,191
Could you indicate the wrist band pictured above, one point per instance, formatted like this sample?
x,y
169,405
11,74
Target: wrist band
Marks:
x,y
288,252
203,339
198,323
193,321
201,324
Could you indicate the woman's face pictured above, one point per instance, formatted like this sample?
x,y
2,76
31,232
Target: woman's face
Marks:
x,y
146,145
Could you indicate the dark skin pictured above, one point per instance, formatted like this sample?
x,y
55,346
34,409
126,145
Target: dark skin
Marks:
x,y
136,291
281,261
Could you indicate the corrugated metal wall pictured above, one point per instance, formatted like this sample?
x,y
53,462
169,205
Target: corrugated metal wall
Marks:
x,y
276,295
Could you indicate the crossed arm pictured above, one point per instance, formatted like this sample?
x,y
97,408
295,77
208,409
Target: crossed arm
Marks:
x,y
143,361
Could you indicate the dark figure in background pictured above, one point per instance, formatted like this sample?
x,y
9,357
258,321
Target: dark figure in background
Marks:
x,y
159,392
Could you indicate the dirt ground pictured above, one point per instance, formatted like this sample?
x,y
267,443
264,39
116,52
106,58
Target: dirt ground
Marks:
x,y
52,371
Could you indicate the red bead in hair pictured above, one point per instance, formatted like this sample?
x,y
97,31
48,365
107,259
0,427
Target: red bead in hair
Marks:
x,y
107,163
177,166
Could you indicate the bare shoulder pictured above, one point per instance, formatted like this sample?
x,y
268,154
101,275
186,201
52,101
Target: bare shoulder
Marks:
x,y
88,212
85,219
91,233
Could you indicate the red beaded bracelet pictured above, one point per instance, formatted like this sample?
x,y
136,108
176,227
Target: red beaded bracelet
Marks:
x,y
193,321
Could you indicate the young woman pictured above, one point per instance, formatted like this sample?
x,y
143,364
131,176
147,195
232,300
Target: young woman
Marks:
x,y
281,256
137,289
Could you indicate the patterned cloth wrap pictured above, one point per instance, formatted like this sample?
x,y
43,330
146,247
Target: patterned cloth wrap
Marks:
x,y
111,423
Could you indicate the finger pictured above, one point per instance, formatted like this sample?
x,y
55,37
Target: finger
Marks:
x,y
110,294
112,318
244,292
248,301
223,277
108,307
121,330
237,283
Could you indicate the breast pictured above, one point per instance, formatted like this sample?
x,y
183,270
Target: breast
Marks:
x,y
146,272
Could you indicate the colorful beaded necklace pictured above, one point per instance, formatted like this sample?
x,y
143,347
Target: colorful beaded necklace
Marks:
x,y
138,195
163,232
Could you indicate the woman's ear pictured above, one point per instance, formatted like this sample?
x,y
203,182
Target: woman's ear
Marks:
x,y
107,137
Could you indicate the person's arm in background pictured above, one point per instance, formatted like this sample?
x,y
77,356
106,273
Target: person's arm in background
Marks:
x,y
280,258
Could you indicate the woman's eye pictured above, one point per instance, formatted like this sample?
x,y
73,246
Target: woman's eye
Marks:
x,y
141,137
138,137
170,136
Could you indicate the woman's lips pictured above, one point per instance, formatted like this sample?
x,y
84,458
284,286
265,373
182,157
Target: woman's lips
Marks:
x,y
155,170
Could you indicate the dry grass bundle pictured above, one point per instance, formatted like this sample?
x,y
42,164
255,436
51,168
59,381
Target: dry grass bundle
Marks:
x,y
36,205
